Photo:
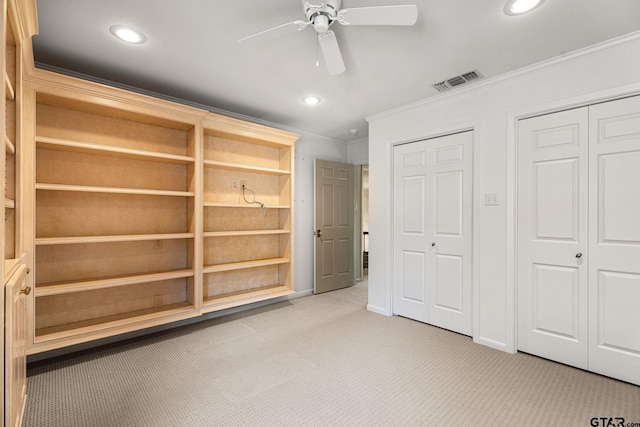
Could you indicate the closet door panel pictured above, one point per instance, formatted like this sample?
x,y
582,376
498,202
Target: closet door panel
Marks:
x,y
614,273
552,236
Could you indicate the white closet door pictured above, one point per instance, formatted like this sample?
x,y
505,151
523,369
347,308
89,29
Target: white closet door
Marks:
x,y
614,261
449,197
410,231
432,231
552,236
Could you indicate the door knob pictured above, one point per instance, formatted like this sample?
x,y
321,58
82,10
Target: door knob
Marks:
x,y
579,255
433,244
26,290
319,233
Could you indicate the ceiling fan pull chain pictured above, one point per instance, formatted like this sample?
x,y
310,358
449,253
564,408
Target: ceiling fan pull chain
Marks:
x,y
317,51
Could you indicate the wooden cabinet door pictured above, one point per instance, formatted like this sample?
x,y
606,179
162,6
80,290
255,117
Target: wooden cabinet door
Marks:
x,y
15,353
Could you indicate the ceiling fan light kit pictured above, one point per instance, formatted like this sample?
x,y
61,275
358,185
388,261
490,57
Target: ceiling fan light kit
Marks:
x,y
322,16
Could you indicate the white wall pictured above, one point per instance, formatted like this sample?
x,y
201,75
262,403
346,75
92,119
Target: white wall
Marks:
x,y
492,107
307,149
358,151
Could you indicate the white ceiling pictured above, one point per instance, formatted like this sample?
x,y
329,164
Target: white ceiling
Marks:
x,y
192,52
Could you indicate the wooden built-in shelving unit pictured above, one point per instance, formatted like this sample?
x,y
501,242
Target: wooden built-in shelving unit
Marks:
x,y
115,188
139,214
247,247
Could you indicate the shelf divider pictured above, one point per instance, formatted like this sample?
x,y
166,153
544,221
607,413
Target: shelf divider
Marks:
x,y
244,233
222,302
239,205
44,142
112,190
218,268
110,282
148,316
43,241
245,168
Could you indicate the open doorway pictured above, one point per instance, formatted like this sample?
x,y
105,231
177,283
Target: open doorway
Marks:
x,y
361,237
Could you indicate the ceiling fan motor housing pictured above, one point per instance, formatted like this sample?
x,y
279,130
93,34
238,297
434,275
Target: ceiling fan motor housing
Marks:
x,y
322,15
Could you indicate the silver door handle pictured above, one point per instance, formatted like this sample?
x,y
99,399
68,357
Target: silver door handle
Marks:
x,y
579,255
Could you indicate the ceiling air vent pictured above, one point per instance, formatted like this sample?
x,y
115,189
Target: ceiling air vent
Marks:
x,y
457,81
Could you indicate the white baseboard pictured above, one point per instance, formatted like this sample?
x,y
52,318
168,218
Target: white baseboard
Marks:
x,y
378,310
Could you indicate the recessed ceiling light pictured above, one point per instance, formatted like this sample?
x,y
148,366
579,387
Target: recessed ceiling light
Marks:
x,y
311,100
128,34
518,7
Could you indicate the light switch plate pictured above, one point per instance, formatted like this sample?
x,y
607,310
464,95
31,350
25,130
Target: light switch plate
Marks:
x,y
491,199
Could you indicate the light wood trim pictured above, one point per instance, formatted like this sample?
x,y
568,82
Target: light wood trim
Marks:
x,y
244,233
9,203
238,205
24,17
245,168
72,92
94,325
228,127
87,147
10,266
245,264
245,297
10,92
110,239
45,289
112,190
8,145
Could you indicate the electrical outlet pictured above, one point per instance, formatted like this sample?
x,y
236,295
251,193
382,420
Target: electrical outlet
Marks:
x,y
243,183
234,184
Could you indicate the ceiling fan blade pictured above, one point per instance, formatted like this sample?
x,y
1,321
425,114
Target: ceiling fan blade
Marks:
x,y
379,15
289,27
331,52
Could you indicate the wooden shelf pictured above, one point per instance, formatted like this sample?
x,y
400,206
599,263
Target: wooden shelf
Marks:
x,y
244,233
92,326
245,297
106,150
42,241
238,205
245,264
10,148
112,190
245,168
10,93
9,204
48,289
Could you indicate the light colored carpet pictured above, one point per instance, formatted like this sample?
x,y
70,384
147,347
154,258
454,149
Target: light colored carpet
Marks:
x,y
318,360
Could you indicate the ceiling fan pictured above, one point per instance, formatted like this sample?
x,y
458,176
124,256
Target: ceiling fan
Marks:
x,y
325,14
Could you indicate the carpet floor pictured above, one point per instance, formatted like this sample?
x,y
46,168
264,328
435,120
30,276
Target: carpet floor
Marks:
x,y
319,360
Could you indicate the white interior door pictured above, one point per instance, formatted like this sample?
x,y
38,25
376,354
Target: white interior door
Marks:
x,y
552,236
614,261
432,231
